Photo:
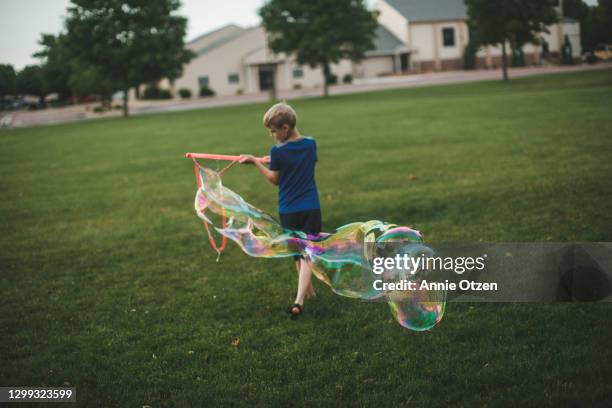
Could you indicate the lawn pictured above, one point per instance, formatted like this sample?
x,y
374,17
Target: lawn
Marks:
x,y
109,283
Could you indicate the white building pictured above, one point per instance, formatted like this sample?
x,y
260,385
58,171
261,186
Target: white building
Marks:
x,y
235,60
436,33
412,36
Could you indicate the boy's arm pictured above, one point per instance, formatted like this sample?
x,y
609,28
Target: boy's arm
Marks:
x,y
270,175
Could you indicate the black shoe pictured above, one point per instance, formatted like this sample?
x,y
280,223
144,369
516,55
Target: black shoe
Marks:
x,y
293,314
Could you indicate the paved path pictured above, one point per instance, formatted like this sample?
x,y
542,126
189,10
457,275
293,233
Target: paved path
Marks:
x,y
84,112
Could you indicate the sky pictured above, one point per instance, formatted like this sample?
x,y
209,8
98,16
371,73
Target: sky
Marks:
x,y
23,21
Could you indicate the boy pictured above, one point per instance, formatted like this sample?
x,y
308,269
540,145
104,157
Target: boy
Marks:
x,y
292,164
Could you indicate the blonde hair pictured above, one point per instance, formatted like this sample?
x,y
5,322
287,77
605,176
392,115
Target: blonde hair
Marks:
x,y
279,115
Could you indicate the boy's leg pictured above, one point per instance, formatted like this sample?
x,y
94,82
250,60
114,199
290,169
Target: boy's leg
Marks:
x,y
310,292
304,280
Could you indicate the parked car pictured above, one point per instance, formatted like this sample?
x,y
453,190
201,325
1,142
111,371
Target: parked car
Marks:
x,y
589,57
88,99
14,104
603,52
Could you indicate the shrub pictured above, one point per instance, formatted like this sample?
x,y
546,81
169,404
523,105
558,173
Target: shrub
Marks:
x,y
297,86
566,52
153,92
518,58
150,92
164,94
185,93
332,79
57,103
347,79
206,91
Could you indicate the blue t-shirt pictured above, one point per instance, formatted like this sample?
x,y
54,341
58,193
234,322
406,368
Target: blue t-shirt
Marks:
x,y
295,163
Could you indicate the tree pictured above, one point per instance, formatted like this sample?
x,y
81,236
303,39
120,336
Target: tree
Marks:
x,y
7,81
89,80
595,22
471,49
600,21
30,81
128,41
578,10
606,10
516,22
319,32
69,76
56,63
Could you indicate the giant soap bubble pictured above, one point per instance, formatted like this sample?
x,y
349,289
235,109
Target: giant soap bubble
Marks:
x,y
342,260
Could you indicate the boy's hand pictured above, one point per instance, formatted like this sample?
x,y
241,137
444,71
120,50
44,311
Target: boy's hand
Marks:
x,y
247,159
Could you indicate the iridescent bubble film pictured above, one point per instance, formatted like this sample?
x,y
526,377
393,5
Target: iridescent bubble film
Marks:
x,y
342,260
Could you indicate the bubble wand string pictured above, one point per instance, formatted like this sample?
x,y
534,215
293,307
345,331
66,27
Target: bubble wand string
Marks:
x,y
196,165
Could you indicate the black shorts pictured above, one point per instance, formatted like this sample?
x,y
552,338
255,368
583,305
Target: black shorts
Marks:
x,y
308,221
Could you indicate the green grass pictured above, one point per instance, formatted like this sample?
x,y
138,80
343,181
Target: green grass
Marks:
x,y
109,284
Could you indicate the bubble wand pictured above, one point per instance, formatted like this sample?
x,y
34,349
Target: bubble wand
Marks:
x,y
196,165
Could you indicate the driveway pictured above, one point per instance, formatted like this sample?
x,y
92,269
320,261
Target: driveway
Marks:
x,y
139,107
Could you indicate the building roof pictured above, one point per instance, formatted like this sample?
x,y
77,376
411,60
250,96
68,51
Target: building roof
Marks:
x,y
215,39
385,42
223,40
228,28
430,10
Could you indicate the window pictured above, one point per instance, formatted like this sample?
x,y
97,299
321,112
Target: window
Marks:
x,y
203,81
298,73
448,35
233,78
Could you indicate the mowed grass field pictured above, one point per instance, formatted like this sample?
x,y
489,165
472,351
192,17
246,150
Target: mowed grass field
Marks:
x,y
109,283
